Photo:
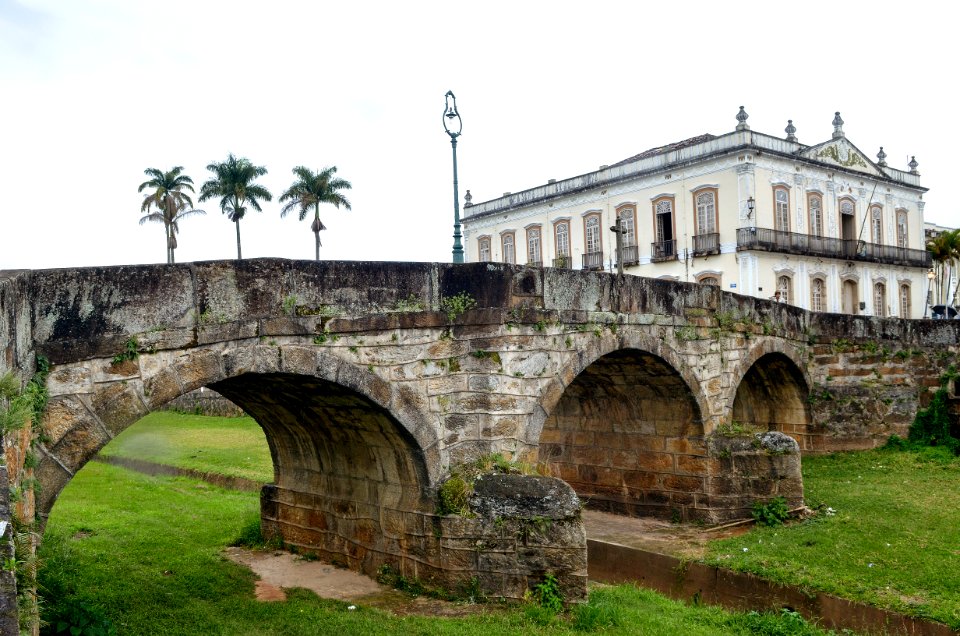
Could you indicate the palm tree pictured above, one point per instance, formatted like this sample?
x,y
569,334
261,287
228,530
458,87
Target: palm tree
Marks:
x,y
310,190
233,183
168,203
944,249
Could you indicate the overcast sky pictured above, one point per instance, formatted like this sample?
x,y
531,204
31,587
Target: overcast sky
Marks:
x,y
92,92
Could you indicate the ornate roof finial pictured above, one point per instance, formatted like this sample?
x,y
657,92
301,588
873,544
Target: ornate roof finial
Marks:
x,y
742,119
467,199
837,126
913,165
882,158
791,131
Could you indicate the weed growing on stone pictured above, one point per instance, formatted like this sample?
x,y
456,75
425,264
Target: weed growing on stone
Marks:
x,y
290,305
456,306
841,345
686,333
408,304
131,351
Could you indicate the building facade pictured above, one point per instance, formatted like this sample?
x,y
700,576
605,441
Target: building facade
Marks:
x,y
822,227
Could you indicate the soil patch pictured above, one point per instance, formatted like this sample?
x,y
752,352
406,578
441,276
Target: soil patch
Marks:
x,y
278,570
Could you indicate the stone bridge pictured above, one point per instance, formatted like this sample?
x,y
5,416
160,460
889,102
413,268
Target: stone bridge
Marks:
x,y
373,380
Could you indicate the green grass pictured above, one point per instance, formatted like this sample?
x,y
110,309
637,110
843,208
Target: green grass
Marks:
x,y
233,446
146,552
894,540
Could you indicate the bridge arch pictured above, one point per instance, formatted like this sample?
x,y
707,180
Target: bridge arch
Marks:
x,y
329,423
624,427
770,392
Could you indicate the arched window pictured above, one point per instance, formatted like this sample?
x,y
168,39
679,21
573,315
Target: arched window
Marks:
x,y
815,208
562,233
709,280
785,287
592,228
706,204
484,249
818,290
879,300
876,224
901,228
664,220
905,309
534,256
627,215
509,250
781,212
846,206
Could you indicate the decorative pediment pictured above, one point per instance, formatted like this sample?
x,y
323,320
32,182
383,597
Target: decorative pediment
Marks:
x,y
842,153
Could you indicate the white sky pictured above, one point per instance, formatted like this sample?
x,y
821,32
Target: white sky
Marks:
x,y
92,92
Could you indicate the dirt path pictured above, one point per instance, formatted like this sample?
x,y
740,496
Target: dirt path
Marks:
x,y
278,570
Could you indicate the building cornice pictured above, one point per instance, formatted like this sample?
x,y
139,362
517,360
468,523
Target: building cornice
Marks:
x,y
732,143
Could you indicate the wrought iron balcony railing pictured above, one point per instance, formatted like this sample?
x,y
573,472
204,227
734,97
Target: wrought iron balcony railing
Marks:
x,y
631,255
593,260
765,239
563,262
663,251
704,244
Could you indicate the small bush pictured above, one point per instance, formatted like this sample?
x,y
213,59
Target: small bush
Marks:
x,y
771,513
931,426
453,495
547,594
78,618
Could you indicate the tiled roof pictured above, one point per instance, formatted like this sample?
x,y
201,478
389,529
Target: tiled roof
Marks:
x,y
669,147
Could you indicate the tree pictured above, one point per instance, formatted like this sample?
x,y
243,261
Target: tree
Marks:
x,y
168,203
310,190
944,249
233,182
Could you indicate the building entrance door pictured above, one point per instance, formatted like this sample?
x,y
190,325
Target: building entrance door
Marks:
x,y
848,293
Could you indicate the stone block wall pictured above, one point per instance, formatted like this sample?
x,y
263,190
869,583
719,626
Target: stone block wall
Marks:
x,y
521,529
753,468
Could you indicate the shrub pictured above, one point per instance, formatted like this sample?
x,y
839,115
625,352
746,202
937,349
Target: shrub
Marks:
x,y
547,594
771,513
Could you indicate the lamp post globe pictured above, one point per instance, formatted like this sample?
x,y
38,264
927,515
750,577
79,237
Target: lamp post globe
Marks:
x,y
453,125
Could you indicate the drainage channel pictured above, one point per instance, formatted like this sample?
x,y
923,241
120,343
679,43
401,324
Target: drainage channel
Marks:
x,y
644,563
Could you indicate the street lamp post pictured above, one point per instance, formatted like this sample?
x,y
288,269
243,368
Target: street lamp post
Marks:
x,y
930,277
454,125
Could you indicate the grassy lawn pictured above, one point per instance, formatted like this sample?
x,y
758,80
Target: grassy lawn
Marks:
x,y
146,552
233,446
893,540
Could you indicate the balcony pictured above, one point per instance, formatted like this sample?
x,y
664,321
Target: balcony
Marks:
x,y
706,244
663,251
767,240
563,262
593,260
631,255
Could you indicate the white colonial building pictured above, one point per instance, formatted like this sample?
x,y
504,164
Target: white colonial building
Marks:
x,y
827,227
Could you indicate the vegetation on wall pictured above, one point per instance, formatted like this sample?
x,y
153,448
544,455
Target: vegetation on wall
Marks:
x,y
18,408
932,426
